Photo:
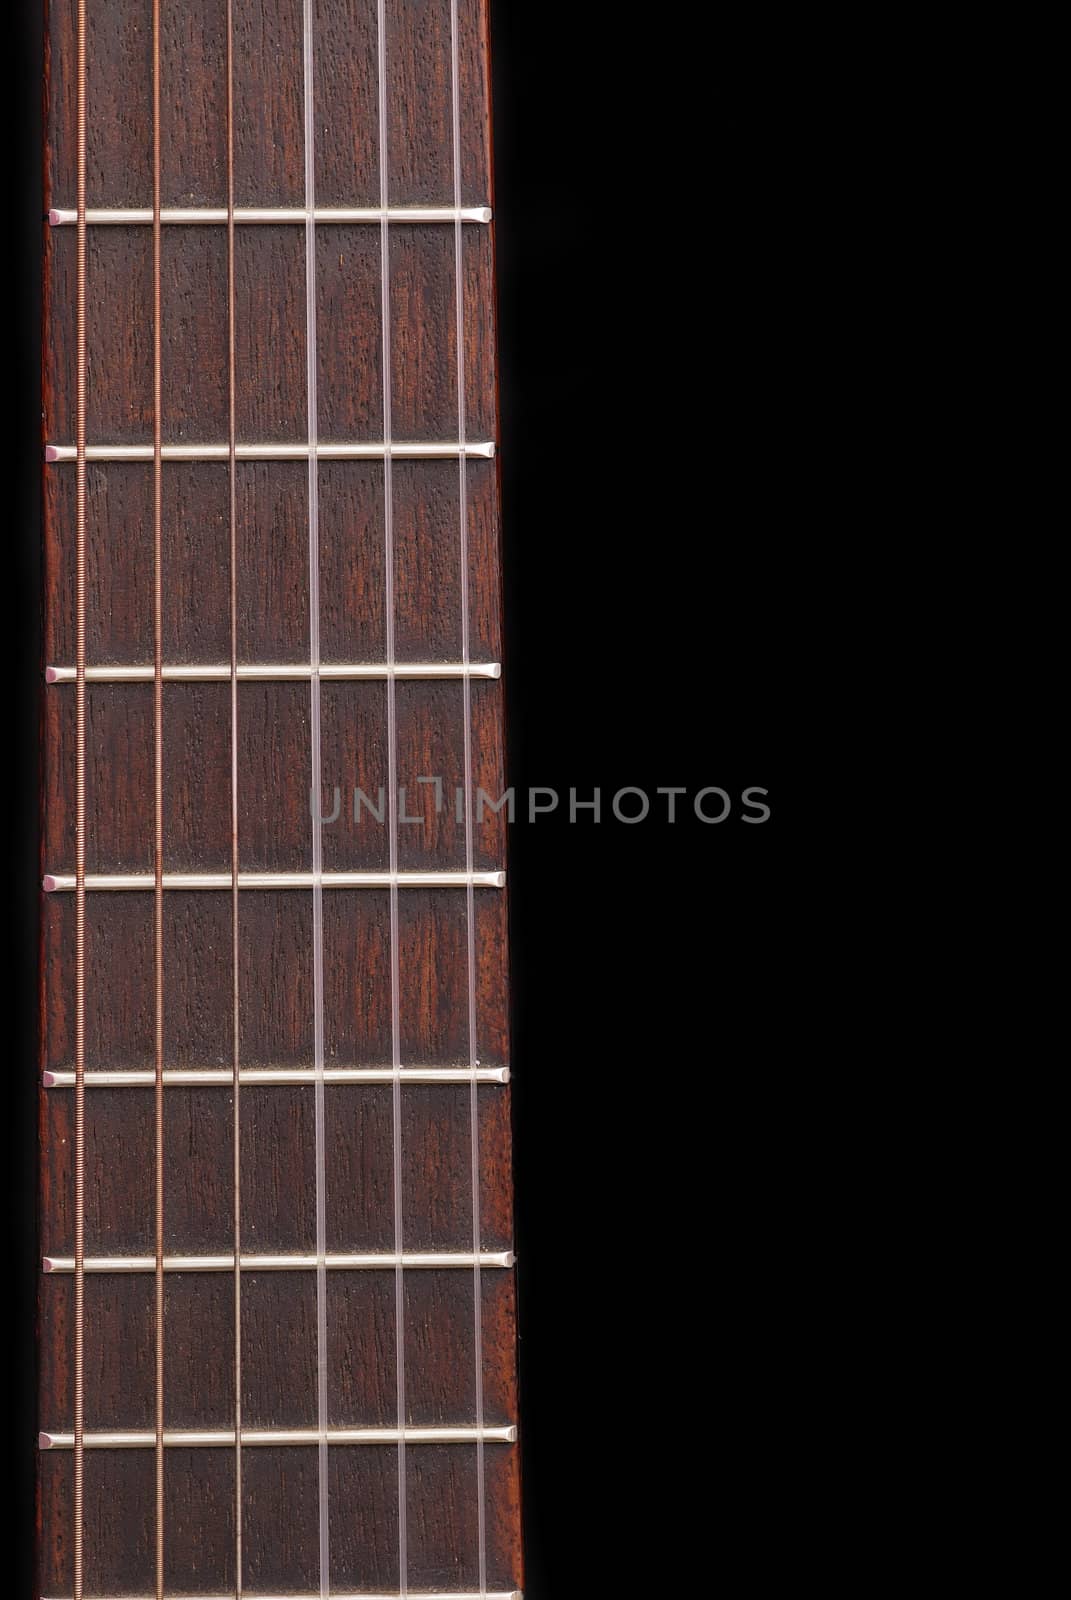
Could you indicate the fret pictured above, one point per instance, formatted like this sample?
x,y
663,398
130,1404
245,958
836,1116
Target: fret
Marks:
x,y
194,1439
336,1594
280,671
267,215
413,450
429,1260
205,1077
133,882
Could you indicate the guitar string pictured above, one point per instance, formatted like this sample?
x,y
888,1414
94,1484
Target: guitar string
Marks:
x,y
470,894
236,1133
323,1461
392,797
158,794
78,1506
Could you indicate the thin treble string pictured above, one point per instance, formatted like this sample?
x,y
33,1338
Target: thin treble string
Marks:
x,y
158,792
80,830
236,1133
317,831
466,702
392,811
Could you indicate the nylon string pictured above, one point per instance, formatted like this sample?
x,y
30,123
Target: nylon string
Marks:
x,y
323,1480
158,799
236,1133
392,807
78,1507
470,894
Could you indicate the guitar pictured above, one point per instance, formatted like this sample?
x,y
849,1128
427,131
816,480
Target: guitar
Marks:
x,y
277,1304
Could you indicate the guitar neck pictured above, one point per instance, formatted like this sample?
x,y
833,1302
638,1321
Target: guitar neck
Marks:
x,y
277,1300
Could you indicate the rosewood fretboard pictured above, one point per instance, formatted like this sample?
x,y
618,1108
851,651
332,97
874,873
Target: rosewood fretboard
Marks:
x,y
277,1310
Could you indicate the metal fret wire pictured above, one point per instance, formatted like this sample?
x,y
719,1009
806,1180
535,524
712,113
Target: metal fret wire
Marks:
x,y
432,1260
202,1077
270,1438
279,671
362,1594
205,216
323,1480
275,450
135,882
158,791
78,1508
236,1135
470,893
392,792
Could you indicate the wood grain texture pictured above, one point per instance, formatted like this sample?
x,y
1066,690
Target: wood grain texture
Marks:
x,y
278,1332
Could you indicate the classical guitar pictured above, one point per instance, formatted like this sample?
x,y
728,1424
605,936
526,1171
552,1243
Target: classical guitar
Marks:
x,y
277,1299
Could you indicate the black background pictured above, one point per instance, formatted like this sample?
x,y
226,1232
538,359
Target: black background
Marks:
x,y
659,542
661,522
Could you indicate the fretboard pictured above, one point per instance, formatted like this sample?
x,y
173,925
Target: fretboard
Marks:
x,y
277,1297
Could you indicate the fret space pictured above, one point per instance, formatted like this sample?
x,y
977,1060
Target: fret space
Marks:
x,y
277,1148
279,1352
274,761
276,1028
272,537
271,371
280,1491
269,139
